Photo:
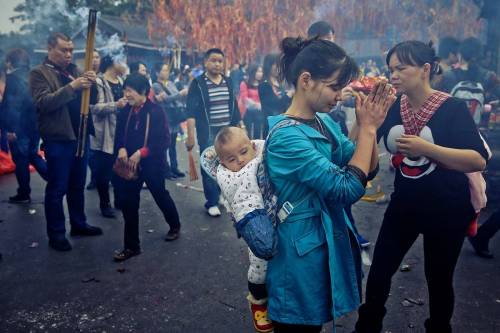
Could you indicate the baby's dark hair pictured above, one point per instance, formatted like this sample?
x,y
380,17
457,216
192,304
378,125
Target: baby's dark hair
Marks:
x,y
416,53
225,135
319,57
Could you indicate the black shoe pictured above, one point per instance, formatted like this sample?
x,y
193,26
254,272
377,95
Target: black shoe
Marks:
x,y
480,248
60,244
20,199
108,212
92,185
125,254
172,235
86,231
170,176
178,174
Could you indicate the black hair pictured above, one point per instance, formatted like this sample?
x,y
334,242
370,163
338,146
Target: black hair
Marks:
x,y
252,71
269,60
54,36
134,67
319,29
471,51
416,53
447,46
321,58
209,52
156,70
106,63
137,82
18,58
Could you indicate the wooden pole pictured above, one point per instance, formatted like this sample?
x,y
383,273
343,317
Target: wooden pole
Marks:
x,y
84,109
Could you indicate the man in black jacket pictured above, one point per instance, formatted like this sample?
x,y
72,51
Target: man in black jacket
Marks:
x,y
20,124
211,105
56,88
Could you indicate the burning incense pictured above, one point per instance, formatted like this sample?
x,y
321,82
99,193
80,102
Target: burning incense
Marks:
x,y
84,109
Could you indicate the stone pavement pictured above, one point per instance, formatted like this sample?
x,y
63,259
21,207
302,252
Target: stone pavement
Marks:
x,y
196,284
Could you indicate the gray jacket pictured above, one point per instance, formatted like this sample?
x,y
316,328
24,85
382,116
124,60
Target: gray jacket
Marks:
x,y
104,118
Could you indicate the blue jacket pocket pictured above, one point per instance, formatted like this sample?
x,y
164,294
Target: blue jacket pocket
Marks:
x,y
309,241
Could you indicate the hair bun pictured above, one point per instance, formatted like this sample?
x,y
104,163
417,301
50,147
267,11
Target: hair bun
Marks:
x,y
291,46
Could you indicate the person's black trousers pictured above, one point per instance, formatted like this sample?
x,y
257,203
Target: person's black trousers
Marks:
x,y
442,245
129,194
103,170
254,122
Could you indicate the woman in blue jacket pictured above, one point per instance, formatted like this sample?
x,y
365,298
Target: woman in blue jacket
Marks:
x,y
316,275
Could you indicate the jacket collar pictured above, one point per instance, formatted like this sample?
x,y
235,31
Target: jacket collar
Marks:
x,y
307,130
70,69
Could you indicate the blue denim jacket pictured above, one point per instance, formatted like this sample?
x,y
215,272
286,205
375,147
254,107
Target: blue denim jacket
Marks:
x,y
316,275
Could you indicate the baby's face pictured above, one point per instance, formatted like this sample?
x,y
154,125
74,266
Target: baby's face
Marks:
x,y
237,153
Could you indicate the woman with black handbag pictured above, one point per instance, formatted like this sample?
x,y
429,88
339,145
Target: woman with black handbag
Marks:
x,y
140,144
170,99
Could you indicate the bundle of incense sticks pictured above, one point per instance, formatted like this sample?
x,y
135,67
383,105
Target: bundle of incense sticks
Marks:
x,y
193,173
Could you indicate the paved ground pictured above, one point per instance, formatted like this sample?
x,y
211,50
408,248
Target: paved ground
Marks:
x,y
196,284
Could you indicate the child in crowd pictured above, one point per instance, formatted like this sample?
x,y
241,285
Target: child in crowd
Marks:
x,y
239,159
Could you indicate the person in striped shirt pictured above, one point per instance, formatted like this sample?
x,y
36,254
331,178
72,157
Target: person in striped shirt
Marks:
x,y
211,105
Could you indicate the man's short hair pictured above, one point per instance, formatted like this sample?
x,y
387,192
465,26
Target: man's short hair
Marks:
x,y
471,49
18,58
54,36
138,82
447,46
319,29
212,51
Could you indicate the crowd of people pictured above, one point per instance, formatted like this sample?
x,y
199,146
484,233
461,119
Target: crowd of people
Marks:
x,y
287,115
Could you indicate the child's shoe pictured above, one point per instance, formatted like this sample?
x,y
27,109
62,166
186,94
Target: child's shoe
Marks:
x,y
259,314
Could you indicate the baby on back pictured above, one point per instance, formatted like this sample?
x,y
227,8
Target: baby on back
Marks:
x,y
236,174
237,177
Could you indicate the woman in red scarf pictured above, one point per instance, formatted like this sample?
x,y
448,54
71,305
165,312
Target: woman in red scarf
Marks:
x,y
434,143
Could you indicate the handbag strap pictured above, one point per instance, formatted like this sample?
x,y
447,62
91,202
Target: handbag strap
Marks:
x,y
146,136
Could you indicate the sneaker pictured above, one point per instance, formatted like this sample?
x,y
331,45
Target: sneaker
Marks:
x,y
20,199
214,211
261,322
363,243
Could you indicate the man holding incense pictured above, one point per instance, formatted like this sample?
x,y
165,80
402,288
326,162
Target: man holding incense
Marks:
x,y
56,86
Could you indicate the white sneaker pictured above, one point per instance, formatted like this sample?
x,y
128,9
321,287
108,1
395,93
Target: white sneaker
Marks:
x,y
214,211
